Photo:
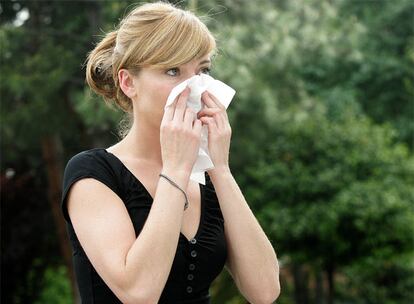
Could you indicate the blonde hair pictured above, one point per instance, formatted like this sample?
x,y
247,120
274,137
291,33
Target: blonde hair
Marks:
x,y
155,34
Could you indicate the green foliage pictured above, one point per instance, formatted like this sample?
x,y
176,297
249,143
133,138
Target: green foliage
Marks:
x,y
322,127
57,287
334,193
372,277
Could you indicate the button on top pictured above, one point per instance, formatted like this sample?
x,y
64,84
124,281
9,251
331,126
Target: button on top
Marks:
x,y
193,241
193,253
191,267
189,289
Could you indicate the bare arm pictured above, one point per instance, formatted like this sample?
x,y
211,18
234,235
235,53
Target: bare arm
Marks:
x,y
252,261
135,269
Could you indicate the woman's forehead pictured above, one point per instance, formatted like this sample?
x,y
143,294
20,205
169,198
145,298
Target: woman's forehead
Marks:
x,y
199,61
195,62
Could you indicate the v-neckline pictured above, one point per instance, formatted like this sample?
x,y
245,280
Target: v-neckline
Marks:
x,y
152,199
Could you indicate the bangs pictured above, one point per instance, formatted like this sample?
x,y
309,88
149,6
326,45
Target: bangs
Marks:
x,y
178,39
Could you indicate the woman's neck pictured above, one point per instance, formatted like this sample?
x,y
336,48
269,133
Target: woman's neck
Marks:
x,y
142,142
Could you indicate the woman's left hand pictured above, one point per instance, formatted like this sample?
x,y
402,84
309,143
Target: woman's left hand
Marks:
x,y
219,131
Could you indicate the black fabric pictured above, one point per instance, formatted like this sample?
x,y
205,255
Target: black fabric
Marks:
x,y
203,256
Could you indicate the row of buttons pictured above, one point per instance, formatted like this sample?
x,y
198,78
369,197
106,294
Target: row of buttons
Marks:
x,y
191,267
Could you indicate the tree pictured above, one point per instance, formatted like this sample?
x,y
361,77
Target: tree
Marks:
x,y
41,87
307,75
337,193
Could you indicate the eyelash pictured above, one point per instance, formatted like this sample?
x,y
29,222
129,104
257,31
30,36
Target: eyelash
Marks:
x,y
207,69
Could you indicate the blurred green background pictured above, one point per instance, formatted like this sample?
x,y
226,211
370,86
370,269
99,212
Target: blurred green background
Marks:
x,y
322,145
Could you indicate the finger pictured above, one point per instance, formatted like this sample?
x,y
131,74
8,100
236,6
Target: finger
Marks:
x,y
181,105
225,121
216,101
214,113
197,126
207,100
169,111
212,126
219,121
189,116
208,112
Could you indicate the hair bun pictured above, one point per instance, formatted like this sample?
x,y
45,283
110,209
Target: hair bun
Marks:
x,y
98,70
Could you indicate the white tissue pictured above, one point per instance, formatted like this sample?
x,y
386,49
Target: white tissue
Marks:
x,y
198,84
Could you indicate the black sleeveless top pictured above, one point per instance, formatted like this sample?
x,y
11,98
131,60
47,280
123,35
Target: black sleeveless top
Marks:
x,y
197,262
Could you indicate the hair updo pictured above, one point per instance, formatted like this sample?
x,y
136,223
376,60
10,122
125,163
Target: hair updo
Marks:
x,y
152,34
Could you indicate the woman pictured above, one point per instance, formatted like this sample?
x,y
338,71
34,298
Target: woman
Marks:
x,y
134,239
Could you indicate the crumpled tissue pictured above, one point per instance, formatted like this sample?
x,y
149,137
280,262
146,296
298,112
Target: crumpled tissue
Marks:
x,y
198,84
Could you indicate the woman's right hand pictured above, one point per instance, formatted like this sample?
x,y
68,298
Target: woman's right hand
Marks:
x,y
180,135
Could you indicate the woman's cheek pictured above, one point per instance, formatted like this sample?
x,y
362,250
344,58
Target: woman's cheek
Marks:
x,y
164,92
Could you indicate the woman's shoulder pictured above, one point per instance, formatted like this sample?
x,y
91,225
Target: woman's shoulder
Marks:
x,y
91,159
86,155
95,162
92,163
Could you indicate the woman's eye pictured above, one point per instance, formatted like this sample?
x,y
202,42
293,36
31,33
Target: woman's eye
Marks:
x,y
207,71
173,69
176,70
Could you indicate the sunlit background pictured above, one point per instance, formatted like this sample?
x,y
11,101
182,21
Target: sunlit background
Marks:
x,y
322,144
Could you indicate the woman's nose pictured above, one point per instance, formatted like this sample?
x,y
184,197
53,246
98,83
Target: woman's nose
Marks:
x,y
193,74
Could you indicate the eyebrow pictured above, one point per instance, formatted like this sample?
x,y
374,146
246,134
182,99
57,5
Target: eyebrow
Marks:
x,y
205,61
